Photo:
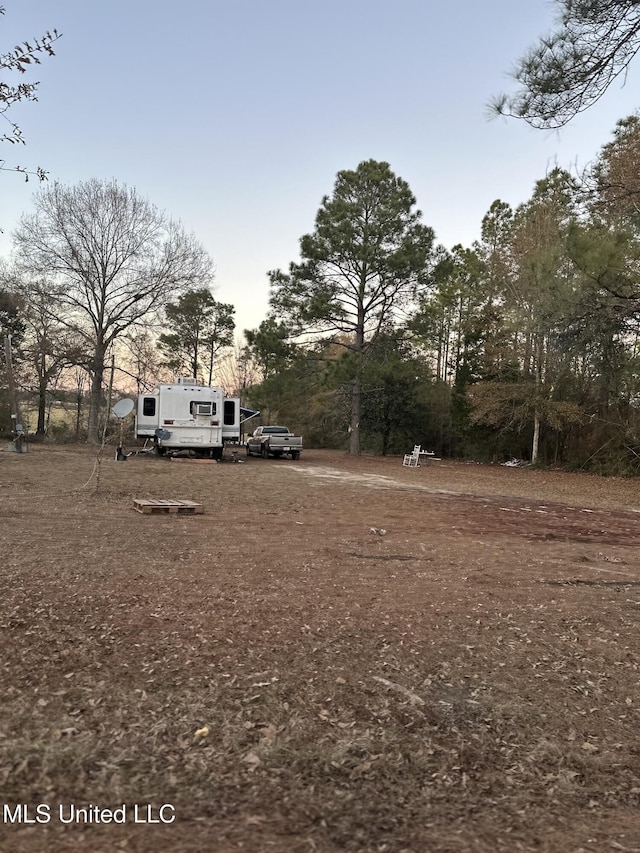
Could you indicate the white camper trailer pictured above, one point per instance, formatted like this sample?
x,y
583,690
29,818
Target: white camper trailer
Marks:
x,y
187,416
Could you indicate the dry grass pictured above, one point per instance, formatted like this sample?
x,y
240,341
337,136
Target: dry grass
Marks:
x,y
290,681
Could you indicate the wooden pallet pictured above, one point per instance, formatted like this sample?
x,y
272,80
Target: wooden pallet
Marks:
x,y
147,507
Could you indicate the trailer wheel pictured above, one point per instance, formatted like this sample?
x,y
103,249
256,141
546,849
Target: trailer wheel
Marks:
x,y
265,451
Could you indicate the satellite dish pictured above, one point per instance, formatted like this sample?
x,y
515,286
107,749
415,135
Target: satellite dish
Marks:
x,y
123,407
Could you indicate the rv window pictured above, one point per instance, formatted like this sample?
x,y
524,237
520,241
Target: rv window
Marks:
x,y
149,407
229,412
199,408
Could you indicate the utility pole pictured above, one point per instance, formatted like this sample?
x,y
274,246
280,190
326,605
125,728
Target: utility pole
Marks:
x,y
16,426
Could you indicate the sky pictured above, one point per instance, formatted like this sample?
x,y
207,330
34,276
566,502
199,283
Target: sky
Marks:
x,y
234,117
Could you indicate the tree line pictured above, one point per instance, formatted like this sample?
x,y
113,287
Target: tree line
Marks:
x,y
523,345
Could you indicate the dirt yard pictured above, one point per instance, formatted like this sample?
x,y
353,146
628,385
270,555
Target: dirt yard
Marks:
x,y
338,655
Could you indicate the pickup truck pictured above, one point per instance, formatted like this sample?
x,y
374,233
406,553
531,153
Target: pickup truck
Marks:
x,y
274,441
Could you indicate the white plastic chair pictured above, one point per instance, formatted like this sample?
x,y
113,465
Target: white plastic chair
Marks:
x,y
412,460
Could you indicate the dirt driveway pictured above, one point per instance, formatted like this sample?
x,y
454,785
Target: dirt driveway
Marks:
x,y
338,654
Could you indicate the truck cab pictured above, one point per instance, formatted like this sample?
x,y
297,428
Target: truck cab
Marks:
x,y
274,441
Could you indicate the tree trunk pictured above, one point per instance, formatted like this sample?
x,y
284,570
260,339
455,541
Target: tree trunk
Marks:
x,y
95,398
439,354
356,406
41,370
195,358
538,354
13,397
536,439
78,399
445,353
42,405
78,412
356,382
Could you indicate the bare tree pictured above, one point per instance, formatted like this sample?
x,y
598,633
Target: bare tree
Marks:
x,y
236,371
114,260
80,382
48,348
140,349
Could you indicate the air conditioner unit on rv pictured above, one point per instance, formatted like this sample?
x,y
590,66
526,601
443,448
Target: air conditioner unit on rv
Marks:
x,y
186,380
203,409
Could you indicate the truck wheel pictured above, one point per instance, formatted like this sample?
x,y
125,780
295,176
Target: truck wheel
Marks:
x,y
248,452
295,454
265,451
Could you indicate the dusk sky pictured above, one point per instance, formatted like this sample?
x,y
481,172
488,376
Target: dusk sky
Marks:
x,y
235,116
